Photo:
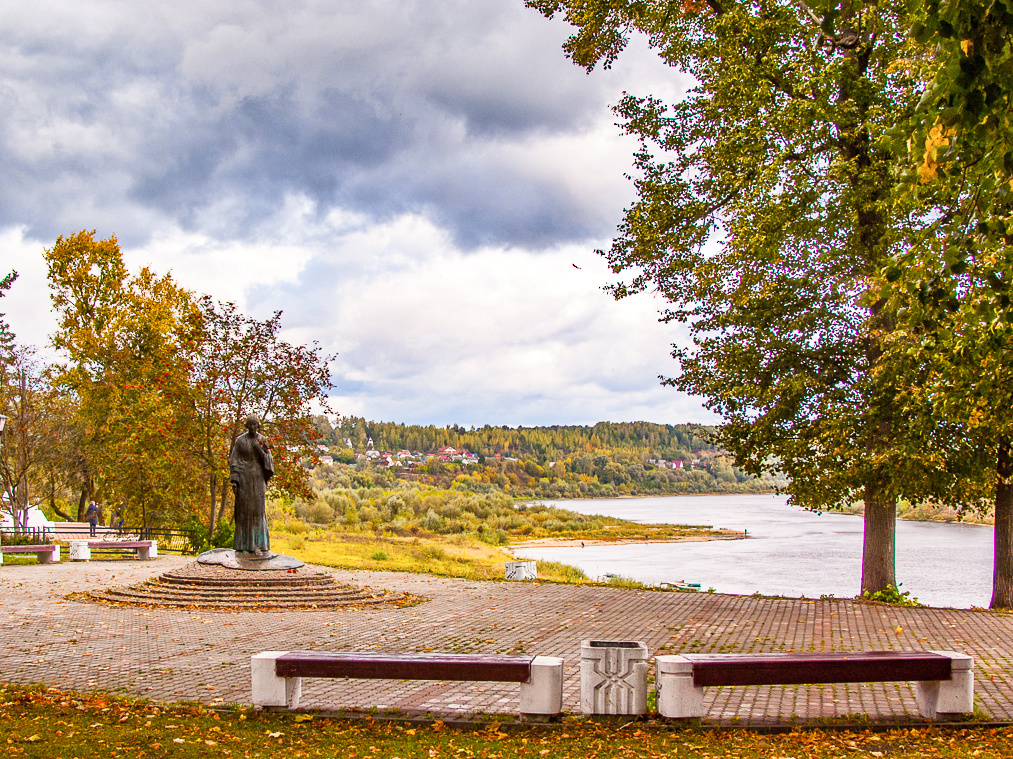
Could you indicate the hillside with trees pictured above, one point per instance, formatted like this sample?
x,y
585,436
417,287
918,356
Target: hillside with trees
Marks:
x,y
607,459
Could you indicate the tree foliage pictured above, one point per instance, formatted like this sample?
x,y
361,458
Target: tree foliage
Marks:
x,y
245,367
6,336
639,440
950,289
765,208
31,440
126,340
160,381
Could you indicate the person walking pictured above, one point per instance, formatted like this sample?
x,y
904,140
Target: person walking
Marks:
x,y
92,516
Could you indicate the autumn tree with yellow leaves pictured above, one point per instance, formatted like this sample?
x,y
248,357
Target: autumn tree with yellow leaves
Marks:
x,y
160,381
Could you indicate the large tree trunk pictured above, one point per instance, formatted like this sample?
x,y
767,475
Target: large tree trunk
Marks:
x,y
52,502
1002,561
878,551
223,500
214,506
82,503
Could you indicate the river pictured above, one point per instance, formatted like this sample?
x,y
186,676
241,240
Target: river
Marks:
x,y
788,551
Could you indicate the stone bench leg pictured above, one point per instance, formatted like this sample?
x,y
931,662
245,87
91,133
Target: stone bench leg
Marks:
x,y
945,697
148,553
543,693
80,550
268,688
49,557
678,698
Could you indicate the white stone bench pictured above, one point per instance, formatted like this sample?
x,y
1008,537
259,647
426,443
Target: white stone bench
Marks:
x,y
48,554
277,675
80,550
944,680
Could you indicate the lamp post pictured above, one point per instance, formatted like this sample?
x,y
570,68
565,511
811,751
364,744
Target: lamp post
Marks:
x,y
3,485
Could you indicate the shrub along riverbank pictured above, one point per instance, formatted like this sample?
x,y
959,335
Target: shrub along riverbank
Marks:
x,y
410,508
413,527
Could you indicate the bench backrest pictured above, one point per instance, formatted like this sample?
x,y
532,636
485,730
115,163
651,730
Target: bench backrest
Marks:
x,y
371,665
834,667
27,549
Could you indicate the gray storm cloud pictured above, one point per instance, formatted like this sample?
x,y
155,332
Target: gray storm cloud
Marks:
x,y
119,114
411,182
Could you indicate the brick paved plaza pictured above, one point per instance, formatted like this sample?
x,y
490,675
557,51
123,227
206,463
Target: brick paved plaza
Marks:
x,y
172,655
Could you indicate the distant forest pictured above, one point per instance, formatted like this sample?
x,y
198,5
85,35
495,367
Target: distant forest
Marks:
x,y
542,444
603,460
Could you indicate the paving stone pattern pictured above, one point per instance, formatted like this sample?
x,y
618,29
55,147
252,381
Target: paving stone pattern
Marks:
x,y
173,655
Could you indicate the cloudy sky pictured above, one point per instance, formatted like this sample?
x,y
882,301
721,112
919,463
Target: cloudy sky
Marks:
x,y
418,186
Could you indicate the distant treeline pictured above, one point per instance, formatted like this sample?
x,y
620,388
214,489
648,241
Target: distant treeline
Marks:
x,y
543,444
600,461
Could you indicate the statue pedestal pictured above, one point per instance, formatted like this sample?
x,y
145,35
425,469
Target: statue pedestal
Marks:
x,y
227,557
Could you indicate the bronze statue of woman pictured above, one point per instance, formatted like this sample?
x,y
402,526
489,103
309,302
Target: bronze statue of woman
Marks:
x,y
250,467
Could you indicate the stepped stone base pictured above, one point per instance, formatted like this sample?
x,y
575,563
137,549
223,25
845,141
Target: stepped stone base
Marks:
x,y
212,586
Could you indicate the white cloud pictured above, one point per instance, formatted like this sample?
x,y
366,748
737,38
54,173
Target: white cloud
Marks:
x,y
425,332
411,183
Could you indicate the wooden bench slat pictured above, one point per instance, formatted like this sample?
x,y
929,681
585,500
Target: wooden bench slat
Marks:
x,y
27,549
797,669
119,544
385,666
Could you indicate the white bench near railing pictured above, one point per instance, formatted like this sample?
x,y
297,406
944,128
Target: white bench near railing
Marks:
x,y
48,554
80,550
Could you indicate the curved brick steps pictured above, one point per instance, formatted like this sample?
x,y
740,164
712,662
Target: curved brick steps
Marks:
x,y
283,581
199,586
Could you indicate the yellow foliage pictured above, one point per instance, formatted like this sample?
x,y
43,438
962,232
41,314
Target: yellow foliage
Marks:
x,y
937,138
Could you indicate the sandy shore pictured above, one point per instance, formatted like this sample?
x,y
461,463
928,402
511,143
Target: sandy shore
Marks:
x,y
577,543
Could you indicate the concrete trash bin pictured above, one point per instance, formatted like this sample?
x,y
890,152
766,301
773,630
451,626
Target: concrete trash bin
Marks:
x,y
613,677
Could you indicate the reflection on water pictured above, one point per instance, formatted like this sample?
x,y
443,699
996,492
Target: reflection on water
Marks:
x,y
789,551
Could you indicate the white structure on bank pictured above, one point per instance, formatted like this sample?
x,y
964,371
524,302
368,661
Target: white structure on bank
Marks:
x,y
522,570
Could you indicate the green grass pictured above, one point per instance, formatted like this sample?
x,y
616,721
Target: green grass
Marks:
x,y
53,724
462,556
410,509
446,556
555,571
15,559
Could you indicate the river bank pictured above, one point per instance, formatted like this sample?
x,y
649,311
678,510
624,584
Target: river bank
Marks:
x,y
790,552
628,540
926,512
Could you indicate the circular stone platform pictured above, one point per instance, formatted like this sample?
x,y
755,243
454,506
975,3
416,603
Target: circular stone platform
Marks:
x,y
204,586
227,557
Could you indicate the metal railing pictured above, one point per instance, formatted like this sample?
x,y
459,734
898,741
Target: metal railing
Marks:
x,y
24,535
170,540
185,542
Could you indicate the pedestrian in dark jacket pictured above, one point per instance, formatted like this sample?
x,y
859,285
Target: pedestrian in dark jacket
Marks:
x,y
92,516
